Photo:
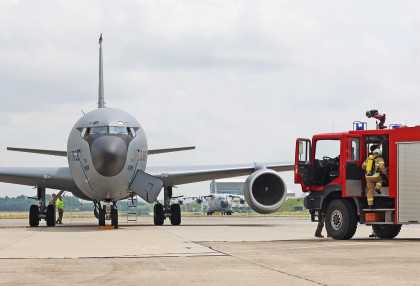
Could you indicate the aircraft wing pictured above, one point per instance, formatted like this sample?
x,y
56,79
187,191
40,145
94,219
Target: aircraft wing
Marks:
x,y
169,150
64,153
39,151
53,178
172,176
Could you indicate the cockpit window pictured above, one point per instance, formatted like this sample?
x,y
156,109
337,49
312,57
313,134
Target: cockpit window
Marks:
x,y
118,130
108,130
100,130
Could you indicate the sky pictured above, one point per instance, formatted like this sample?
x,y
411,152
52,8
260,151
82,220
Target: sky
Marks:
x,y
241,80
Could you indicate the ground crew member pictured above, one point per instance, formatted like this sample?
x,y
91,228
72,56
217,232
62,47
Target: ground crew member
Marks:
x,y
59,205
320,226
374,167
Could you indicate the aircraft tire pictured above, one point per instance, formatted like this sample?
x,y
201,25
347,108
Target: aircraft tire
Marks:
x,y
96,213
158,214
50,219
175,214
101,219
34,216
114,217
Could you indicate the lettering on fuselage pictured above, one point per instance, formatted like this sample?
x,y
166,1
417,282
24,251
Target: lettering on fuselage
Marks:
x,y
75,155
142,155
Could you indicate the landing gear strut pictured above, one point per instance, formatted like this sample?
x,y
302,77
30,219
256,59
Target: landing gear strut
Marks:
x,y
114,215
106,212
41,210
167,210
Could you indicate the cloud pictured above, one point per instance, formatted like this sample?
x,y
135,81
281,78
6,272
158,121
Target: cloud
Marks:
x,y
240,79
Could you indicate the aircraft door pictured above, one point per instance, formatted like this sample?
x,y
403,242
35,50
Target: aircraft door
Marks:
x,y
303,153
354,172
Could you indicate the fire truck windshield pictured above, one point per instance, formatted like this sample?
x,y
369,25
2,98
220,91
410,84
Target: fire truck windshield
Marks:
x,y
327,149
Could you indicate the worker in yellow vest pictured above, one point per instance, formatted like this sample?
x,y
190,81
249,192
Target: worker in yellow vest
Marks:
x,y
374,167
59,205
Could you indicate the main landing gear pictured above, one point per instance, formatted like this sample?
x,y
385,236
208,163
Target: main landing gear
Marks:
x,y
41,210
107,211
167,210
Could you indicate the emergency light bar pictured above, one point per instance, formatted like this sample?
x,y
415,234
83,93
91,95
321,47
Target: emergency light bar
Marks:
x,y
359,125
395,125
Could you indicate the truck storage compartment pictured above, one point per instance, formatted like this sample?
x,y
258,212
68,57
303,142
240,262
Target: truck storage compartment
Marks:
x,y
408,182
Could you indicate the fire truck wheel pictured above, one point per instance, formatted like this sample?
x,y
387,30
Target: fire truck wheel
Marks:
x,y
386,231
340,219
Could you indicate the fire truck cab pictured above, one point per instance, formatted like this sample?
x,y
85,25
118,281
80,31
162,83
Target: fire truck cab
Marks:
x,y
329,169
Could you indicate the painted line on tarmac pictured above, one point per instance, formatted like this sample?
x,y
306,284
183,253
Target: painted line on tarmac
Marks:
x,y
167,255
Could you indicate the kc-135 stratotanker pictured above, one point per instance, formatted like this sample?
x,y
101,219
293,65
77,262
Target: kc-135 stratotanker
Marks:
x,y
107,154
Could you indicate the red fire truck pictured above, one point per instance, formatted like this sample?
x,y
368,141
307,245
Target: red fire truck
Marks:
x,y
329,169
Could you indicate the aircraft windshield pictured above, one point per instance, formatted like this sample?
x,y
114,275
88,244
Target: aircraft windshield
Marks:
x,y
108,130
118,130
100,130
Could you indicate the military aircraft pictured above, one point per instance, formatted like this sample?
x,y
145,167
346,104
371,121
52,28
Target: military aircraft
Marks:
x,y
107,153
222,203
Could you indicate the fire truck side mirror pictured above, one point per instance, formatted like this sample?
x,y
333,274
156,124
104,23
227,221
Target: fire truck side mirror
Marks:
x,y
300,148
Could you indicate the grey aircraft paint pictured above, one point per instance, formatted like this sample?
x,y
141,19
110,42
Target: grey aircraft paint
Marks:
x,y
104,164
107,155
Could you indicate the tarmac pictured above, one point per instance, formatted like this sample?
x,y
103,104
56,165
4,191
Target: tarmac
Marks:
x,y
230,250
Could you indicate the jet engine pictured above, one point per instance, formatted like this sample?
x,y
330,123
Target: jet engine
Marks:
x,y
265,191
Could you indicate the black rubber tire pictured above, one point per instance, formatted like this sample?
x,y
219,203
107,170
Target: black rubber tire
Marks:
x,y
341,219
101,219
96,213
158,214
50,218
175,214
386,231
114,217
34,216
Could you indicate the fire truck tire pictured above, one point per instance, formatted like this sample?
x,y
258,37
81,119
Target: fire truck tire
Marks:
x,y
386,231
341,219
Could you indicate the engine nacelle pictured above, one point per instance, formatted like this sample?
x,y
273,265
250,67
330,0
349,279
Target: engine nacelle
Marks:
x,y
265,191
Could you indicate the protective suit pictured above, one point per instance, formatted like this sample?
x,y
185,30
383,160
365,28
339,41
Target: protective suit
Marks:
x,y
374,167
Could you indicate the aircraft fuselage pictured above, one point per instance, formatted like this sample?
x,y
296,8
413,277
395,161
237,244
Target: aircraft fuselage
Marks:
x,y
105,149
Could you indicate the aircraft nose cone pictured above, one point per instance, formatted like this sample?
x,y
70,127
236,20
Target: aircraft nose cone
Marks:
x,y
109,154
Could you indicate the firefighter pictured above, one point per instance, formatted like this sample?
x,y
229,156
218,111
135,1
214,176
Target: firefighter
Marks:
x,y
374,167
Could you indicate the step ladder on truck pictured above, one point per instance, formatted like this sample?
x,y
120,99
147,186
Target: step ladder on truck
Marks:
x,y
329,168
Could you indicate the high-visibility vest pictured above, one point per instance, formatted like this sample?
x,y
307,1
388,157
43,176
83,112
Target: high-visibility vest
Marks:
x,y
59,203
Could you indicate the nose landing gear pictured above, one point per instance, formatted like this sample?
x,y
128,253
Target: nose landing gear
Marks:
x,y
106,212
167,210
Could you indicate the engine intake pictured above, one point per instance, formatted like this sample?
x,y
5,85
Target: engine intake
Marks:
x,y
265,191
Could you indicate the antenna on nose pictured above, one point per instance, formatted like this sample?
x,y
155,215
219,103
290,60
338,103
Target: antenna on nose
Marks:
x,y
101,99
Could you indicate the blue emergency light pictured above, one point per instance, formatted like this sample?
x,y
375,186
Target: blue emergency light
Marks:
x,y
395,125
359,125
